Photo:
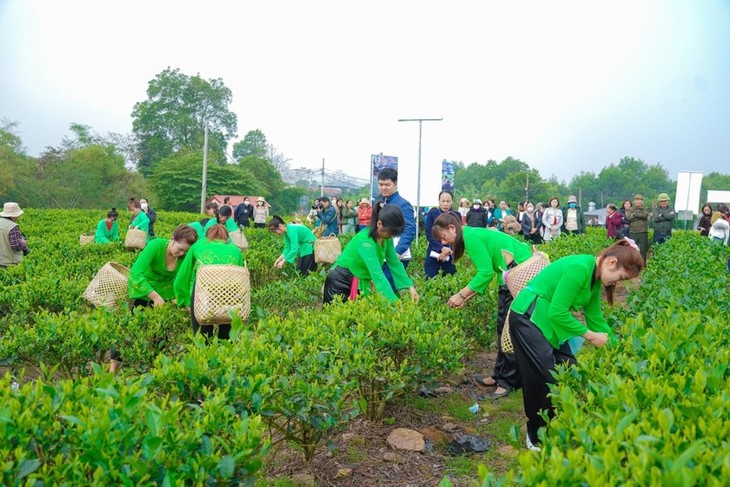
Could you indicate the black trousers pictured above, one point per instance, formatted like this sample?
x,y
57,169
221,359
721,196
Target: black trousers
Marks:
x,y
536,359
505,373
306,264
337,285
432,267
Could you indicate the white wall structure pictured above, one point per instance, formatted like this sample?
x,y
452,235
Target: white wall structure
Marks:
x,y
718,196
689,184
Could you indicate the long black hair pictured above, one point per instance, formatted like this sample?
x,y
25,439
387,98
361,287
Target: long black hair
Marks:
x,y
275,221
223,211
391,218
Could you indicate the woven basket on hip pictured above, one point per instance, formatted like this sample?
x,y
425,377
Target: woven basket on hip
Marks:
x,y
136,239
108,287
518,277
86,239
505,341
239,239
220,289
327,249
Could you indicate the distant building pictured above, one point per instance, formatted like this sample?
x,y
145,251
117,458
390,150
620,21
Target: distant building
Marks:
x,y
592,212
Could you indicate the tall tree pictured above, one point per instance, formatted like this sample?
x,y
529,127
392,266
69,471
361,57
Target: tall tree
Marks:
x,y
175,114
177,181
253,144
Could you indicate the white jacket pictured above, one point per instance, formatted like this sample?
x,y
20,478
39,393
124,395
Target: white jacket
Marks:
x,y
720,229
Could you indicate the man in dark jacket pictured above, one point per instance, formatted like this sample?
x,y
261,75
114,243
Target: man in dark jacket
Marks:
x,y
243,213
663,219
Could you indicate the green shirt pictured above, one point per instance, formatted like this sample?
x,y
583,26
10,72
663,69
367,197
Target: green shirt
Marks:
x,y
142,222
485,247
149,273
198,229
203,252
105,235
563,286
230,225
364,257
298,242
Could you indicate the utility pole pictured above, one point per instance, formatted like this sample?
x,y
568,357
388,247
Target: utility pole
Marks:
x,y
321,190
418,185
205,170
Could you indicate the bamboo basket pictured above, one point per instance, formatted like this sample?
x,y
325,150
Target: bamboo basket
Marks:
x,y
239,239
86,239
518,277
135,239
108,287
327,249
220,289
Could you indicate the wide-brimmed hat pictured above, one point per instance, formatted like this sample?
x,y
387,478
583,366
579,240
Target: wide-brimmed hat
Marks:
x,y
662,197
477,201
365,201
11,210
572,199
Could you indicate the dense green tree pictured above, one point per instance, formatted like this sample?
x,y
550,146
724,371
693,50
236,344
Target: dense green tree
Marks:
x,y
266,174
286,201
714,181
253,144
177,181
12,159
175,114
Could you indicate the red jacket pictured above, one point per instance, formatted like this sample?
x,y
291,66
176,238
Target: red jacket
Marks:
x,y
613,223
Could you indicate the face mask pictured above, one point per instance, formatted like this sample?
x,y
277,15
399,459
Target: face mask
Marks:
x,y
530,209
476,207
572,205
143,205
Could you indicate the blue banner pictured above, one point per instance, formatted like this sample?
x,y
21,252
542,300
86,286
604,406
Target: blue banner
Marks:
x,y
448,168
379,162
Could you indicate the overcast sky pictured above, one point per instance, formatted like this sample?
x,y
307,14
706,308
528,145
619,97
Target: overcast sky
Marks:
x,y
566,86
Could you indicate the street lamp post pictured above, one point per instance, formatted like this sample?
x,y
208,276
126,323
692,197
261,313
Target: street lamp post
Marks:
x,y
418,184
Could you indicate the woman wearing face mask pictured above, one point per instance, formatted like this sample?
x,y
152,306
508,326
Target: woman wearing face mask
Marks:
x,y
439,256
151,214
260,214
573,217
361,263
531,224
140,220
476,216
552,219
541,320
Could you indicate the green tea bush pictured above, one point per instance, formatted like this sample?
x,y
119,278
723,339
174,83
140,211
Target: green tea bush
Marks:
x,y
98,431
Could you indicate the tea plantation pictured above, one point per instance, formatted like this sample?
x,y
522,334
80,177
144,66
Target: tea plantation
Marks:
x,y
652,411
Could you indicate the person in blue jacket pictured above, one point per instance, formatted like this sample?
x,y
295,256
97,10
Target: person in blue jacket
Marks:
x,y
328,216
388,187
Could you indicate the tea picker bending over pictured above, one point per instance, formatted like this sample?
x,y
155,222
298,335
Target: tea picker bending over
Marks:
x,y
492,252
361,263
298,245
541,322
213,249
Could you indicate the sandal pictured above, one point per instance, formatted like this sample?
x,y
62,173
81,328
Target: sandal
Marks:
x,y
479,380
494,395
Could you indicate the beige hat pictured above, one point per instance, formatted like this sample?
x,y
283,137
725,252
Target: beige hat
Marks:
x,y
572,199
365,200
11,210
